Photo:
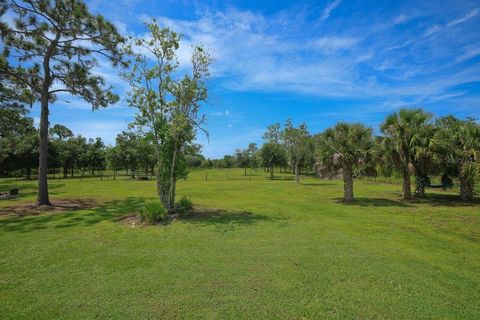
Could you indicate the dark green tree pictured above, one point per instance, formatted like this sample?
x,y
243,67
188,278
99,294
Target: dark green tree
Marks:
x,y
347,145
272,154
53,45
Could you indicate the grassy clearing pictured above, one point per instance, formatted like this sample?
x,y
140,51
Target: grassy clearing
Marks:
x,y
277,250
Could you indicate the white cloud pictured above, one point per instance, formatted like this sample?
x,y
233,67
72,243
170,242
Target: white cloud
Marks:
x,y
436,28
468,54
329,8
107,129
225,113
332,44
433,29
465,18
400,19
36,122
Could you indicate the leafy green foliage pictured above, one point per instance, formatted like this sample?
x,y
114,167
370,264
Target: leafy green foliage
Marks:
x,y
272,154
184,206
56,45
168,106
403,141
348,146
153,212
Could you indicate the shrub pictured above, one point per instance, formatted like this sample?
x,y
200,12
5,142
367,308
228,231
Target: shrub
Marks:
x,y
184,206
153,212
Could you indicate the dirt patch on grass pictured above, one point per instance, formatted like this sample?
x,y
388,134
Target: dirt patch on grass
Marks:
x,y
29,209
197,214
132,221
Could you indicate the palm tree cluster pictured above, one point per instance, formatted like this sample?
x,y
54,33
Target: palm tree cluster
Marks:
x,y
411,143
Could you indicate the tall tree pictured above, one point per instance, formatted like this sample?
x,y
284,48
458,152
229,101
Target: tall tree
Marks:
x,y
349,146
53,44
252,154
273,134
168,107
401,138
296,142
272,154
460,151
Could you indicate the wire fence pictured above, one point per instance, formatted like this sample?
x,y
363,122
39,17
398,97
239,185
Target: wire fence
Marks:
x,y
216,174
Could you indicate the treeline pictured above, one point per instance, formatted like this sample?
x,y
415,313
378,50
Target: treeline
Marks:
x,y
412,143
67,153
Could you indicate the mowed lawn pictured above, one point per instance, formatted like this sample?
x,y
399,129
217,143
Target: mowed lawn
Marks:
x,y
278,250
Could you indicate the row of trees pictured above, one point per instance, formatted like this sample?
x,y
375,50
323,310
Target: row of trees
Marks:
x,y
132,153
412,143
19,144
52,48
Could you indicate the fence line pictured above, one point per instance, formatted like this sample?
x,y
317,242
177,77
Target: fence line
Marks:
x,y
217,174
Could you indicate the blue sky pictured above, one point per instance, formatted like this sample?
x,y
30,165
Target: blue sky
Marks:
x,y
317,62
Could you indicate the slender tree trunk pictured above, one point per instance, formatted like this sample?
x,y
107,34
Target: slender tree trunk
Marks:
x,y
73,168
348,184
42,196
173,181
271,173
420,186
29,172
297,173
466,189
406,191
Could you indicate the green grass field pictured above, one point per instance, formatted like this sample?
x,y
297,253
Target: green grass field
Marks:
x,y
277,250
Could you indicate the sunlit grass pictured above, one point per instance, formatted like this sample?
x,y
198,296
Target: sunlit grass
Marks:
x,y
277,250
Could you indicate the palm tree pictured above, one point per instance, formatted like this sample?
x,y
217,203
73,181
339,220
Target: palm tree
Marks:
x,y
460,152
424,157
403,137
348,146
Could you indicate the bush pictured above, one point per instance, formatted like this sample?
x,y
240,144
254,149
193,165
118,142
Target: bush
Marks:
x,y
153,212
184,206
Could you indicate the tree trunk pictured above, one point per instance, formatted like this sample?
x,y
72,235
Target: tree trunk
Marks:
x,y
271,173
348,184
29,172
73,168
466,189
42,196
406,191
420,183
297,173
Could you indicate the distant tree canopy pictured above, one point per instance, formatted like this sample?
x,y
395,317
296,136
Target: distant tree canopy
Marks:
x,y
447,146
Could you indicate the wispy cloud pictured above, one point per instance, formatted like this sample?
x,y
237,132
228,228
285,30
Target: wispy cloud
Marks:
x,y
400,19
331,44
468,54
465,18
436,28
329,8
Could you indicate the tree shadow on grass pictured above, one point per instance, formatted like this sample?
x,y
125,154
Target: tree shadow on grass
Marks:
x,y
112,211
375,202
5,186
225,220
117,210
318,184
447,200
